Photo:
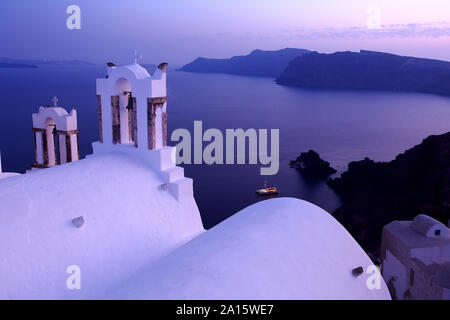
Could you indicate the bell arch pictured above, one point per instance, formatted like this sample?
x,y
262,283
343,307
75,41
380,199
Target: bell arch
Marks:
x,y
128,103
49,134
124,113
55,136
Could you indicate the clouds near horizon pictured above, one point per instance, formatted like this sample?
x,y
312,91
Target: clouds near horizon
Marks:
x,y
179,31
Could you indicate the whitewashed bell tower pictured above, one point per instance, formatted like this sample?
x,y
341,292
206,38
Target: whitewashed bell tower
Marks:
x,y
55,136
132,106
132,118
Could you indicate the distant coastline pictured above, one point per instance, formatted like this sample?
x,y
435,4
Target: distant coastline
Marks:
x,y
24,63
364,70
368,70
17,65
258,63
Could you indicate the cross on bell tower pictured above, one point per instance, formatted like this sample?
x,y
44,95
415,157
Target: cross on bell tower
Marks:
x,y
55,101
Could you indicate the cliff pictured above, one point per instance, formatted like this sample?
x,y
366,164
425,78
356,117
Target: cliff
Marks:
x,y
258,63
376,193
368,70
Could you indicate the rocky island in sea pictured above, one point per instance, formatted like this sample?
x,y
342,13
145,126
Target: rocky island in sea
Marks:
x,y
368,70
311,165
258,63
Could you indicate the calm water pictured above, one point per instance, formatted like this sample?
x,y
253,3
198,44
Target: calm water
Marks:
x,y
341,125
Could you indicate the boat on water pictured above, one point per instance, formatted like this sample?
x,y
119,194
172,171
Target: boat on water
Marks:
x,y
267,190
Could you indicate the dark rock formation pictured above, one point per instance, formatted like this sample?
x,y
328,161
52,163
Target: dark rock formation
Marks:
x,y
310,164
368,70
258,63
376,193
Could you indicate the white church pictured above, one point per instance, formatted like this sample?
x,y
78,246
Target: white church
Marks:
x,y
126,221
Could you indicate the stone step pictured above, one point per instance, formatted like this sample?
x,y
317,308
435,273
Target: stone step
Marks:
x,y
173,174
182,188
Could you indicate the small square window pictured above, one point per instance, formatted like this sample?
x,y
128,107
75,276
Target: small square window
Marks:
x,y
437,233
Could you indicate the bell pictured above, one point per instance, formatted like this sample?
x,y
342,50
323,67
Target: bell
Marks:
x,y
130,102
54,131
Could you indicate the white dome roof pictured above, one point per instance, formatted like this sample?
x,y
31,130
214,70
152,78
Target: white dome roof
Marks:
x,y
138,71
130,223
283,248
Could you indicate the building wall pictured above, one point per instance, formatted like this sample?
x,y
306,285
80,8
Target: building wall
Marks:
x,y
406,270
423,286
430,255
446,294
395,275
397,248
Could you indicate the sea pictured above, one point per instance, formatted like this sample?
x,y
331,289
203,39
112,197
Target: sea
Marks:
x,y
341,125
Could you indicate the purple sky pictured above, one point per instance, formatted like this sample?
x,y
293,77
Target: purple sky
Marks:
x,y
178,31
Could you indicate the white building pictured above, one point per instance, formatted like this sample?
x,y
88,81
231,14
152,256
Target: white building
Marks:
x,y
416,258
142,127
55,136
126,218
